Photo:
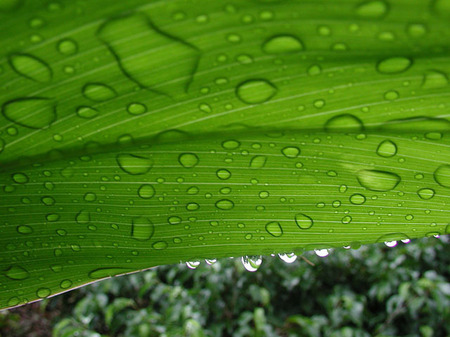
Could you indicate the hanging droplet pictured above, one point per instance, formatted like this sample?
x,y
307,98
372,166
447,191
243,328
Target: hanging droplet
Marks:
x,y
251,263
192,264
288,257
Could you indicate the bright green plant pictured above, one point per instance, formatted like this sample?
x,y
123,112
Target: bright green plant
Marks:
x,y
139,133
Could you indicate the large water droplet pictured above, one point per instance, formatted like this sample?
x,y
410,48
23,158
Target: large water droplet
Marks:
x,y
372,9
426,193
192,264
43,292
188,160
387,148
357,199
20,178
17,273
142,228
87,112
258,162
65,284
33,113
255,91
274,228
380,181
251,263
282,44
442,175
394,65
303,221
134,164
98,92
223,174
159,245
231,144
291,152
288,257
344,123
83,217
224,204
434,79
146,191
30,67
24,229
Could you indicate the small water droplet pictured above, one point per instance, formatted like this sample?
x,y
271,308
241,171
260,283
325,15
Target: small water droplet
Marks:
x,y
20,178
426,193
274,228
434,79
142,228
251,263
146,191
288,257
33,113
394,65
357,199
174,220
43,292
98,92
303,221
282,44
372,9
67,47
290,152
380,181
136,108
210,261
134,164
390,244
346,219
442,175
87,112
65,284
188,160
416,30
224,204
322,252
24,229
90,196
192,264
387,148
159,245
391,95
258,162
83,217
223,174
255,91
30,67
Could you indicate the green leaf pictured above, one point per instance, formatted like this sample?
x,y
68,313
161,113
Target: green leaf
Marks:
x,y
141,133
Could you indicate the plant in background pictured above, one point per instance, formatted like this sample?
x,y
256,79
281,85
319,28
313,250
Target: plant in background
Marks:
x,y
142,133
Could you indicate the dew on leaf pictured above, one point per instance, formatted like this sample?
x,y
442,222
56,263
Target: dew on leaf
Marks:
x,y
67,47
346,219
290,152
192,206
134,164
159,245
255,91
288,257
251,263
322,252
192,190
43,292
146,191
20,178
344,123
30,67
426,193
357,199
174,220
387,148
188,160
223,174
65,284
90,196
87,112
434,79
24,229
394,65
258,162
17,273
136,108
142,228
210,261
282,44
83,217
98,92
391,95
303,221
274,228
33,112
376,180
224,204
231,144
314,70
416,30
61,232
433,135
372,9
442,175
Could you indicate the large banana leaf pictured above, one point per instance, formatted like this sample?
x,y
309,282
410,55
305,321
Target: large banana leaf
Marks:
x,y
139,133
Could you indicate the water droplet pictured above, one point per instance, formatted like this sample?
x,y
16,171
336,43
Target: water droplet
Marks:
x,y
223,174
233,38
441,8
291,151
442,175
17,273
65,284
98,92
394,65
324,30
30,67
159,245
188,160
83,217
433,135
314,70
134,164
142,228
258,162
391,95
255,91
192,206
90,197
174,220
136,108
390,244
24,229
205,107
43,292
386,36
251,263
357,199
282,44
146,191
224,204
434,79
33,113
303,221
346,219
231,144
192,264
263,194
67,47
322,252
87,112
274,228
192,190
426,193
344,123
288,257
20,178
387,148
372,9
107,272
375,180
210,261
416,30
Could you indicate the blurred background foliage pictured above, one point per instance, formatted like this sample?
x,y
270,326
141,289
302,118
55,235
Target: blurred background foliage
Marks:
x,y
370,291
